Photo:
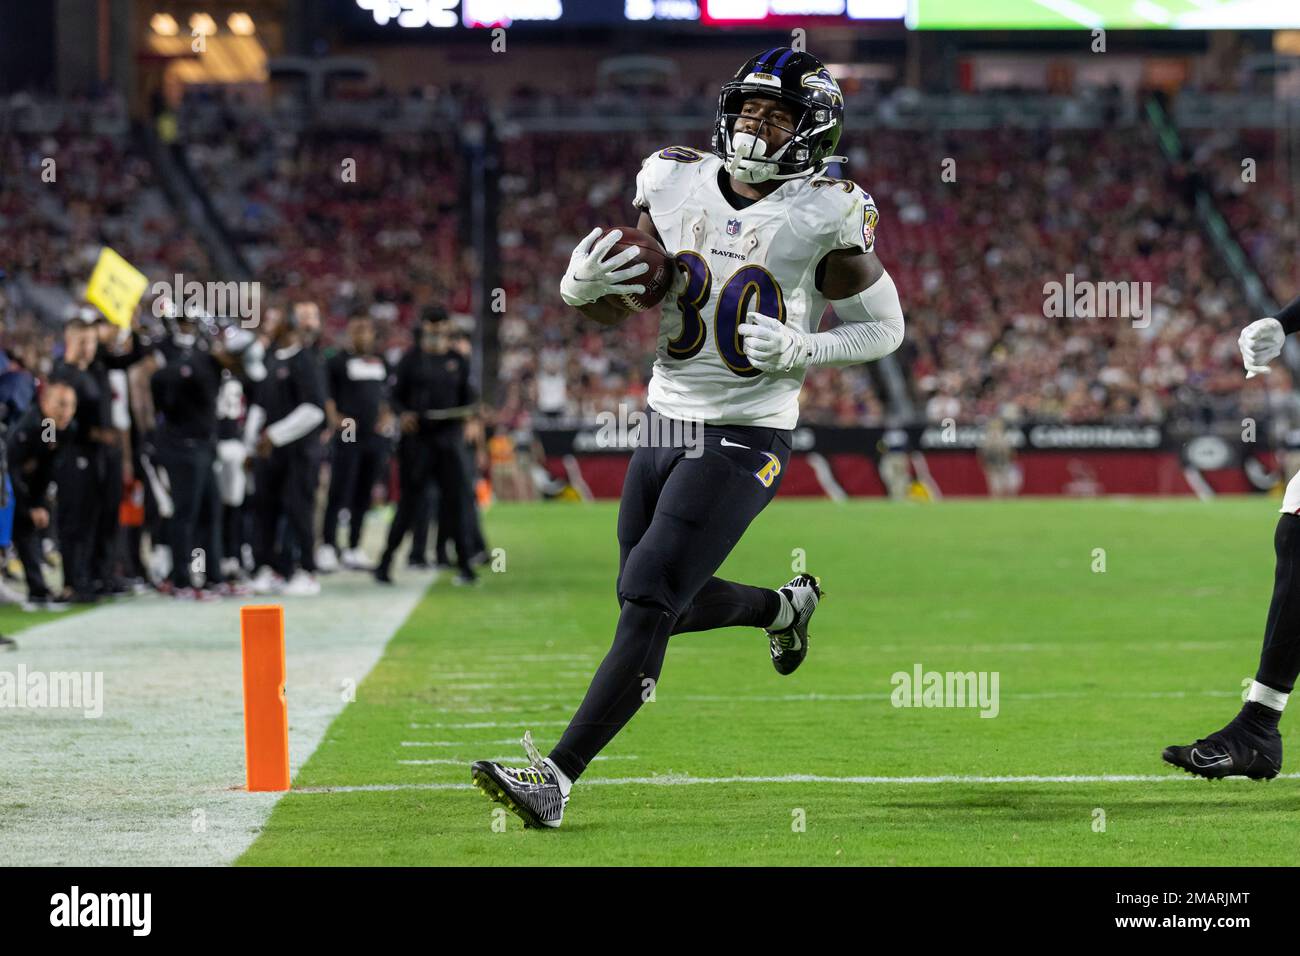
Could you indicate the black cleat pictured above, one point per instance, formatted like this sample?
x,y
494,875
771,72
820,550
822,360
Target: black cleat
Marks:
x,y
383,575
789,646
1241,749
533,793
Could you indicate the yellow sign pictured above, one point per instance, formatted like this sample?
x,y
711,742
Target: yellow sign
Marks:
x,y
116,287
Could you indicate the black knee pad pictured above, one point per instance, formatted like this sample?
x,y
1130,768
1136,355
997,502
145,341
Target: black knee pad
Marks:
x,y
646,580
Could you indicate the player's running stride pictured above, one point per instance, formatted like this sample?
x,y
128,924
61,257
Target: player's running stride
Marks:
x,y
762,242
1251,745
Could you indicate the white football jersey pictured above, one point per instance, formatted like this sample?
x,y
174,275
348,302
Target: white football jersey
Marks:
x,y
761,258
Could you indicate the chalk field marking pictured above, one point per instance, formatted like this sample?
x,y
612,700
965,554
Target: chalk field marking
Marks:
x,y
465,762
813,697
1045,695
484,724
167,757
682,780
457,743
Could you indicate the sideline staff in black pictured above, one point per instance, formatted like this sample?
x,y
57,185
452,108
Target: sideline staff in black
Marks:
x,y
433,396
358,402
184,391
33,448
292,399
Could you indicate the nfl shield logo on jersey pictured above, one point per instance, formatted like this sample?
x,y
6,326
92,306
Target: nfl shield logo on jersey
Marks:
x,y
733,227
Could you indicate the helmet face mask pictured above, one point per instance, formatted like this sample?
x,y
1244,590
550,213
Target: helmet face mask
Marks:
x,y
806,89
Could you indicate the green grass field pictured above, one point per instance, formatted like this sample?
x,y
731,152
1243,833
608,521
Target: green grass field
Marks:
x,y
1098,671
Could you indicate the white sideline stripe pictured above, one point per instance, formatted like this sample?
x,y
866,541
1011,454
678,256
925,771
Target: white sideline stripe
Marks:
x,y
673,780
123,790
466,761
1044,695
479,725
814,697
456,743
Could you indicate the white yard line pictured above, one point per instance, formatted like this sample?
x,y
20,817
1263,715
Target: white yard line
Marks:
x,y
458,743
514,760
484,724
166,759
683,780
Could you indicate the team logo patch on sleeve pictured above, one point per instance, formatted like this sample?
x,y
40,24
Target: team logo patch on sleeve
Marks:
x,y
870,216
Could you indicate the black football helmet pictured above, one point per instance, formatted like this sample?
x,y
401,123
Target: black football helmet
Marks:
x,y
802,82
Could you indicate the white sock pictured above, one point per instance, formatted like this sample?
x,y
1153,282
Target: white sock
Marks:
x,y
1267,696
785,616
565,783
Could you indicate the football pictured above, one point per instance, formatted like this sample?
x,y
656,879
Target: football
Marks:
x,y
658,279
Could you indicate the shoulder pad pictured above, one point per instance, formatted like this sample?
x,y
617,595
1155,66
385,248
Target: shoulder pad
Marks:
x,y
667,176
846,211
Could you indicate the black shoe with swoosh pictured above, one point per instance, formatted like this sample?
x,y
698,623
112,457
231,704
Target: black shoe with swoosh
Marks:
x,y
1234,751
789,646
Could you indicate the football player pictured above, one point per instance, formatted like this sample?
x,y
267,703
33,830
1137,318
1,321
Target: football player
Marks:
x,y
762,242
1251,745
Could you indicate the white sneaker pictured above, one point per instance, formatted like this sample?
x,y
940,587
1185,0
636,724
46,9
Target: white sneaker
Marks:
x,y
354,559
266,581
8,595
327,559
301,584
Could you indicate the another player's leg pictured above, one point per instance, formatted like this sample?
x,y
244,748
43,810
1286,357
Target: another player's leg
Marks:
x,y
1251,744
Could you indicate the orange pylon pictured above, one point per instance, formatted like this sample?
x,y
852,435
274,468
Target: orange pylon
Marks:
x,y
266,714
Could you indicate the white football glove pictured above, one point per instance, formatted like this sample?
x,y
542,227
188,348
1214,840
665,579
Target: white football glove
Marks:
x,y
589,278
1260,343
773,346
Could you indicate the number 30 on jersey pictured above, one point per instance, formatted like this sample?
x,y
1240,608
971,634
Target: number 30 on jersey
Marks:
x,y
750,288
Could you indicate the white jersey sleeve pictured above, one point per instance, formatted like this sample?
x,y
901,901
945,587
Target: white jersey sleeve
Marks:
x,y
843,214
667,177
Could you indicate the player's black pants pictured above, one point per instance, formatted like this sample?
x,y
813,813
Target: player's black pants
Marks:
x,y
355,466
27,542
191,484
286,487
680,516
1279,663
79,475
421,458
107,547
469,515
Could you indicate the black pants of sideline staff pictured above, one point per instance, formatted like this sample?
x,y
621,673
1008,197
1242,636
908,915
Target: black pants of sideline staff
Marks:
x,y
355,466
27,542
286,488
193,488
80,476
421,458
